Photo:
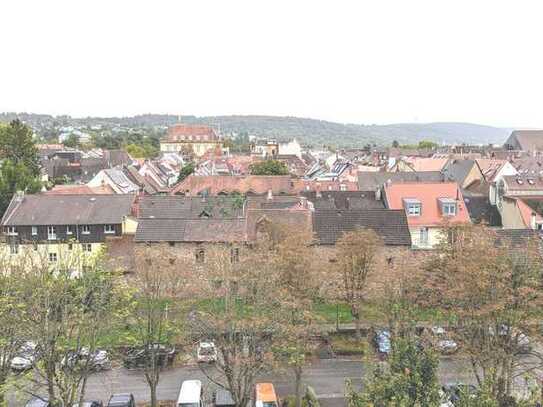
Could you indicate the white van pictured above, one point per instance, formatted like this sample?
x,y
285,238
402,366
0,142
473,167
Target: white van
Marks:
x,y
190,394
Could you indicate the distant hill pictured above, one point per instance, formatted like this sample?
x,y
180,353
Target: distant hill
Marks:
x,y
307,131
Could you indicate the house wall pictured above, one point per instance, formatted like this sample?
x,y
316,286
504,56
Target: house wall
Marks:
x,y
96,235
435,237
69,255
473,175
199,148
130,225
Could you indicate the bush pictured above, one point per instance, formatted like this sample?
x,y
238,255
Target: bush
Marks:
x,y
309,399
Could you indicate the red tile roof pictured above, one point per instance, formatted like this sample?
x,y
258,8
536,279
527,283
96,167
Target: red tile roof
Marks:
x,y
191,133
428,194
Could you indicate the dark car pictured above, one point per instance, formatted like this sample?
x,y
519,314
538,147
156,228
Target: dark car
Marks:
x,y
141,357
223,398
90,403
37,402
122,400
456,391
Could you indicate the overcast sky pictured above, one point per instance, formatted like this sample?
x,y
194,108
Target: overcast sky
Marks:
x,y
349,61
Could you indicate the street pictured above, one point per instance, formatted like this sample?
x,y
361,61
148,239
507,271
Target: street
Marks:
x,y
326,376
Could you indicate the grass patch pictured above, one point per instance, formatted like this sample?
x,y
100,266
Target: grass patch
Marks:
x,y
329,313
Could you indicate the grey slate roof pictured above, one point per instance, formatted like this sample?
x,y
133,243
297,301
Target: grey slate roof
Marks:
x,y
525,140
174,218
458,170
344,200
191,230
371,181
390,225
42,209
180,207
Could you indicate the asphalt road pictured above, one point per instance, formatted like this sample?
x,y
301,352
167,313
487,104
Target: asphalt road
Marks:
x,y
326,376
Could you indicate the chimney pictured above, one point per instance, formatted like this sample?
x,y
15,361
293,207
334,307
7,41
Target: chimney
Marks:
x,y
270,195
532,221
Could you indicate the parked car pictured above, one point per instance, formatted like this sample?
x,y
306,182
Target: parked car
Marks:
x,y
90,403
190,394
223,398
98,360
382,342
441,341
265,395
457,390
206,352
37,402
122,400
140,357
25,358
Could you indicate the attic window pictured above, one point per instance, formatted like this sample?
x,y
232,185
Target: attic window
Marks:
x,y
448,206
519,181
413,207
531,181
205,214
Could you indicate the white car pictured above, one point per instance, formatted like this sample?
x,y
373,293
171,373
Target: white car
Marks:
x,y
26,357
206,352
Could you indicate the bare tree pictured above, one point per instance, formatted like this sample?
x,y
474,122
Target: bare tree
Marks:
x,y
159,281
68,307
357,252
242,319
492,290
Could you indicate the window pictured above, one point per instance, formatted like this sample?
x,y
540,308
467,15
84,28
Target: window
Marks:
x,y
87,247
69,230
200,255
85,229
13,248
234,255
449,209
448,206
70,246
342,187
109,229
423,237
51,233
52,257
11,231
34,231
413,207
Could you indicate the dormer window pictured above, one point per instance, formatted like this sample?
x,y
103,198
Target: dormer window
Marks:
x,y
413,207
448,206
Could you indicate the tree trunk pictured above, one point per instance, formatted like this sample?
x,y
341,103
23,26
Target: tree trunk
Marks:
x,y
2,382
153,387
298,384
355,311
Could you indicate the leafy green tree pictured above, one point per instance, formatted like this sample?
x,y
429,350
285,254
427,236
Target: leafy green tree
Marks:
x,y
17,145
16,177
410,381
185,172
427,145
136,151
72,141
269,167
